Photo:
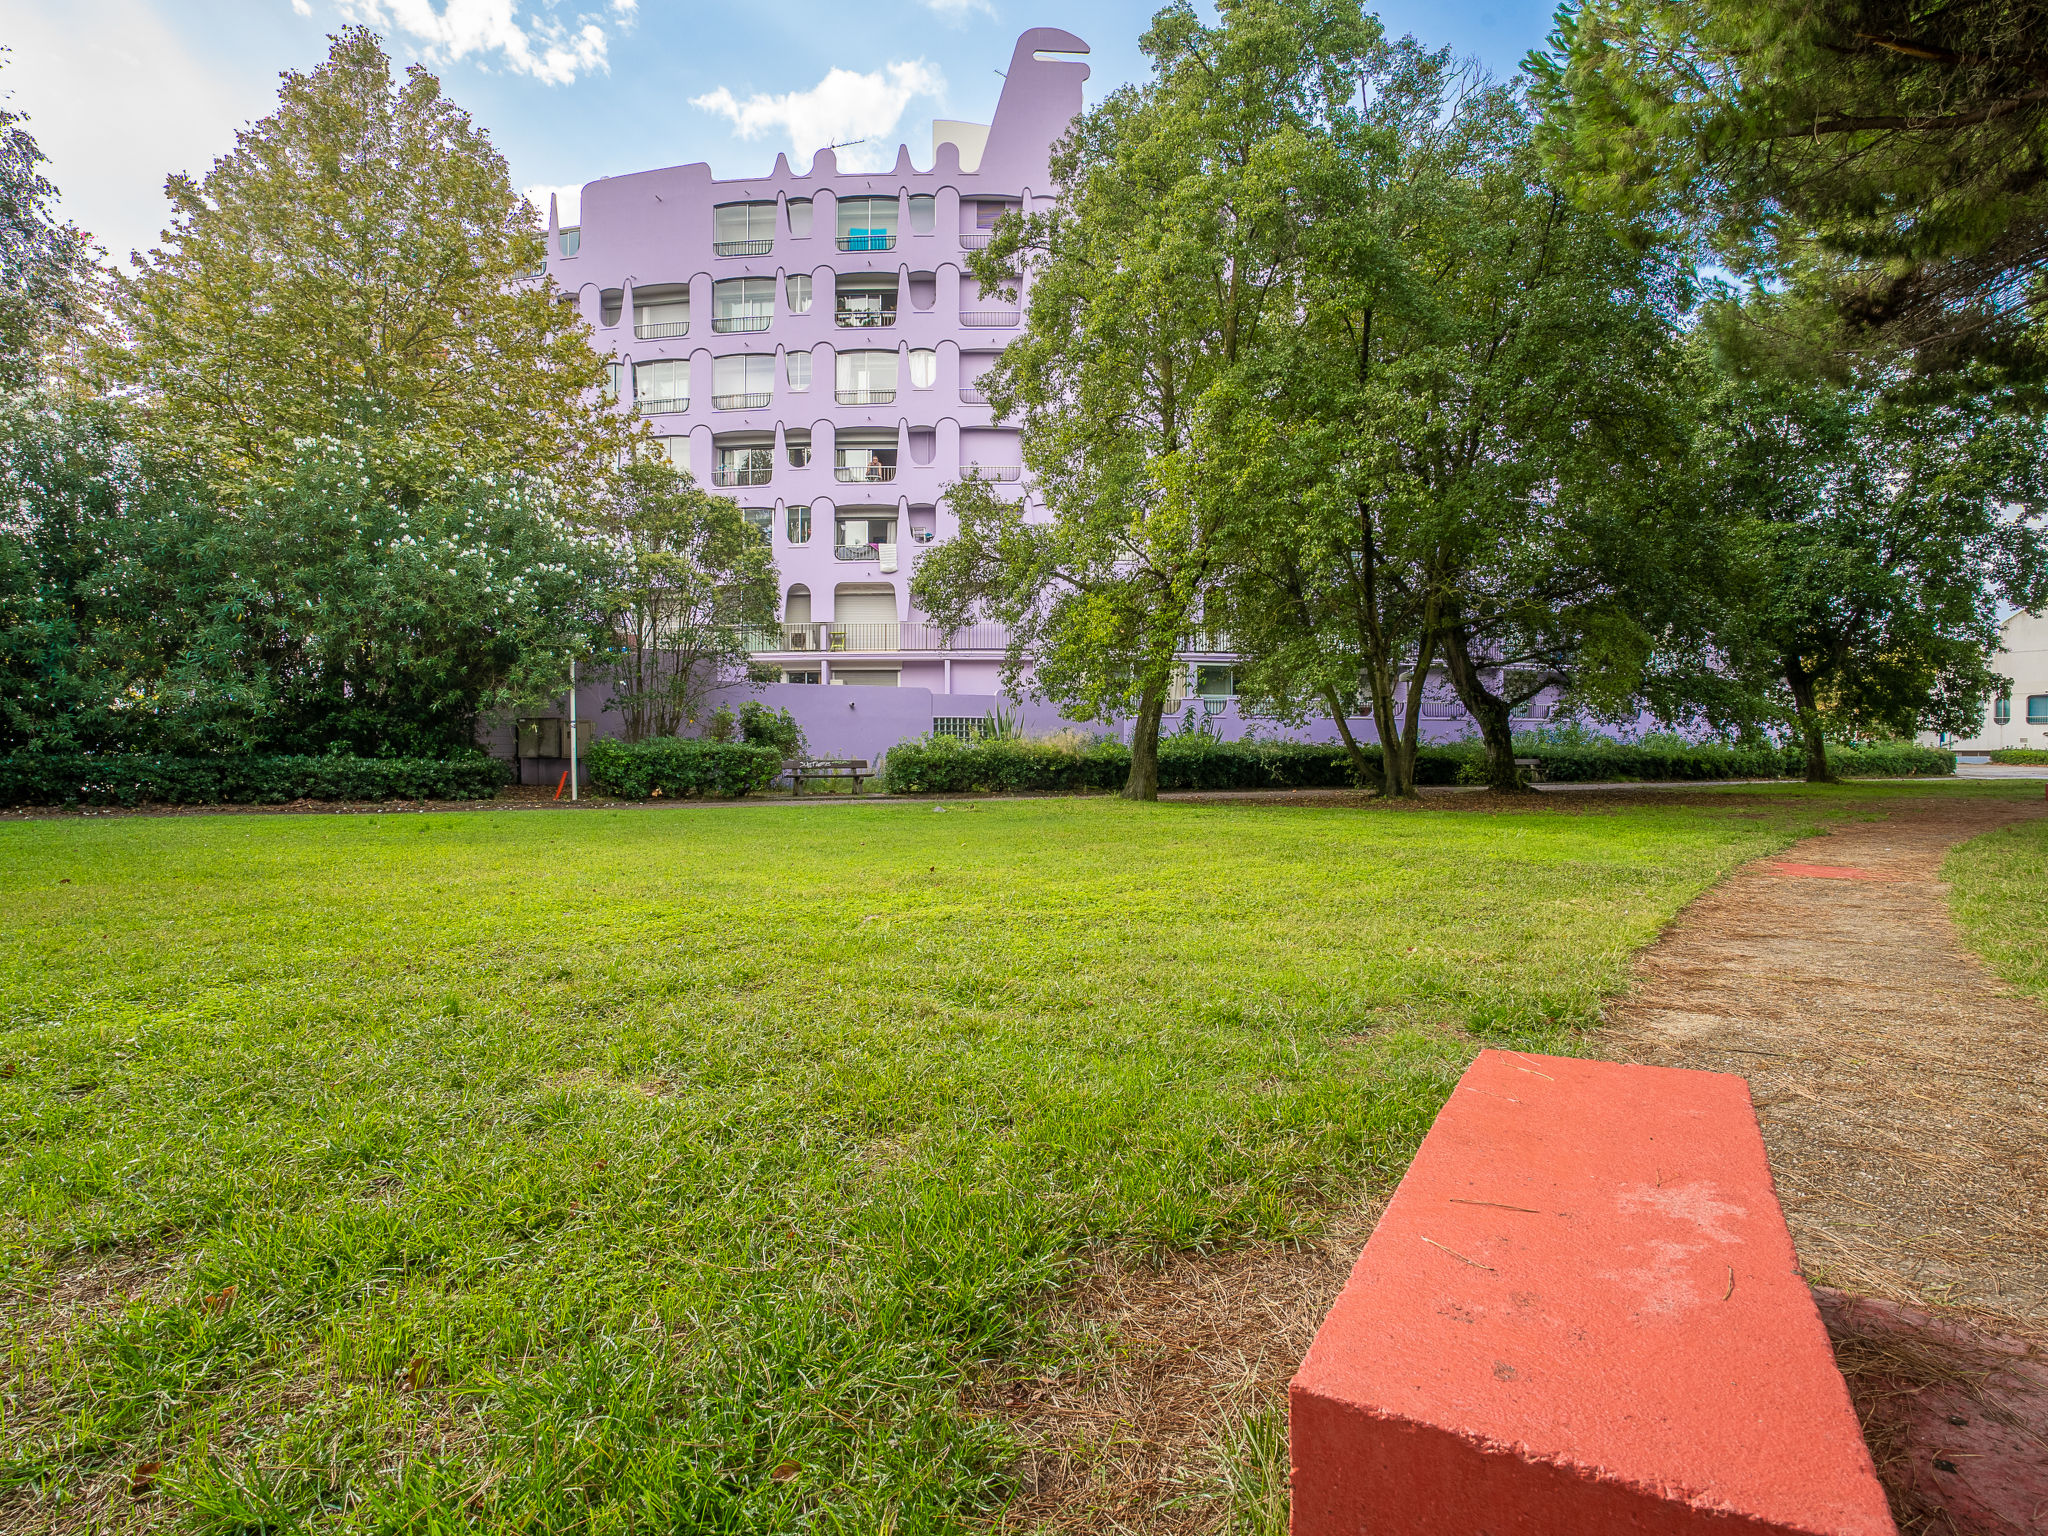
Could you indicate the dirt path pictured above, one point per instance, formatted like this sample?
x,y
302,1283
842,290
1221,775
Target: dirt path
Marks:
x,y
1902,1087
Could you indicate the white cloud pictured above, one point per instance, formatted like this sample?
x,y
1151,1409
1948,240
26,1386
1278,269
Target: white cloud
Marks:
x,y
841,107
552,51
957,11
569,201
117,101
301,8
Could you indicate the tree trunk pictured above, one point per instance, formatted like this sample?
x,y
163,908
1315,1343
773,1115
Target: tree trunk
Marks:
x,y
1496,730
1800,681
1144,780
1361,765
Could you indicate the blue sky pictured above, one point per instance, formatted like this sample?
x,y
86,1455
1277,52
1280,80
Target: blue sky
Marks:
x,y
123,92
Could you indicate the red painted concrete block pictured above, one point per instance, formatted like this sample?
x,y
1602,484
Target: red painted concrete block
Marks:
x,y
1580,1314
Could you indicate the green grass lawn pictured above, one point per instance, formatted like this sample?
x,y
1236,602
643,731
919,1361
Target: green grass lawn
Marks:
x,y
1999,897
635,1170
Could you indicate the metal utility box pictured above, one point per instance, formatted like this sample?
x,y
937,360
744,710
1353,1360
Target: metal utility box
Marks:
x,y
548,736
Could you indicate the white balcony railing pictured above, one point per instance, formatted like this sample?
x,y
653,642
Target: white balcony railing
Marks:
x,y
662,405
976,239
742,247
746,320
864,319
657,330
971,394
865,396
993,471
741,402
989,319
741,474
863,474
828,637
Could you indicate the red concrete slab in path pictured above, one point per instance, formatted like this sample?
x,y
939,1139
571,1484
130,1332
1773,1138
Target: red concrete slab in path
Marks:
x,y
1823,871
1580,1314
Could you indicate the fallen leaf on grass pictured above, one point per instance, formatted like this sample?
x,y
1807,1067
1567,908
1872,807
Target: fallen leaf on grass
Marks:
x,y
784,1471
143,1478
220,1300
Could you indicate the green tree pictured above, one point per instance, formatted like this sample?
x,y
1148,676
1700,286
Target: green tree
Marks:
x,y
1451,453
1152,276
1873,539
1889,157
690,578
358,266
43,264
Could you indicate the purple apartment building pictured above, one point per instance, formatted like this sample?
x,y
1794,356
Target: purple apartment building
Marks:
x,y
810,345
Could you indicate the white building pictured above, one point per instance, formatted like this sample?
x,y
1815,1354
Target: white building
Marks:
x,y
2018,718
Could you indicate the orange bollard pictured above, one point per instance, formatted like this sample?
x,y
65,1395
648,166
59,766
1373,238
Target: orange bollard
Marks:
x,y
564,784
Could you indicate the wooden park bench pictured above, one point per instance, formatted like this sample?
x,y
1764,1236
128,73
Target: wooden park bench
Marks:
x,y
1581,1314
799,769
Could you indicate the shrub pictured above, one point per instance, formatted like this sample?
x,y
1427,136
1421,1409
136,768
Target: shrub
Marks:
x,y
944,765
1883,760
761,726
676,767
143,779
2021,757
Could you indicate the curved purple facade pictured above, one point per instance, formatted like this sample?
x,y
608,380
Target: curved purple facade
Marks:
x,y
808,344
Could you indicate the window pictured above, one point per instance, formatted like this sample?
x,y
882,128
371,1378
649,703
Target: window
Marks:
x,y
865,300
863,463
742,304
923,215
1216,682
864,530
800,520
867,223
799,370
744,464
866,378
671,450
743,229
800,218
614,381
572,241
609,303
661,387
798,442
743,382
924,369
799,293
986,214
760,519
2037,709
959,727
656,319
789,676
2001,710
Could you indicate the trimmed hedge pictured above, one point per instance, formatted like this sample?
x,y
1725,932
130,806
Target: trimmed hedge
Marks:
x,y
675,767
1625,762
142,779
2021,757
942,765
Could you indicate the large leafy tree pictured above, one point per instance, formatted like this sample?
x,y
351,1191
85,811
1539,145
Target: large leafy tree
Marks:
x,y
690,577
1874,538
1155,274
358,266
44,264
1889,157
1450,453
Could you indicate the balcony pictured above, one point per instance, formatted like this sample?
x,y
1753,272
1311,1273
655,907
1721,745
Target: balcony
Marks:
x,y
976,239
989,319
881,636
1000,472
868,240
742,247
663,405
863,474
856,551
863,319
864,396
661,329
746,320
741,402
727,475
973,395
